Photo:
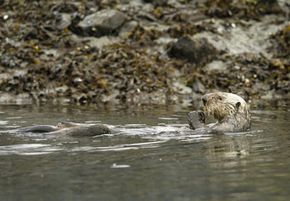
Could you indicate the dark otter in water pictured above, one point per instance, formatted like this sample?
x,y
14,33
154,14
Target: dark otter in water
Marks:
x,y
230,110
67,128
79,130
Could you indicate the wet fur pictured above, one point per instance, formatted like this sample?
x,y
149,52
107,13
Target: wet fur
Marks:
x,y
230,110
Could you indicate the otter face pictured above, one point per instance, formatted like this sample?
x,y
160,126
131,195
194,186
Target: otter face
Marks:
x,y
222,105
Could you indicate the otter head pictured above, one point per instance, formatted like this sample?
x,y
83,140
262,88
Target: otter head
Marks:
x,y
224,105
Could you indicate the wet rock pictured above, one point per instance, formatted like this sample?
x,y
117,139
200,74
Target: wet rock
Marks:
x,y
268,7
127,29
80,98
236,39
111,97
197,51
62,89
65,8
181,88
157,2
63,21
4,77
281,42
252,9
100,42
198,87
216,65
104,22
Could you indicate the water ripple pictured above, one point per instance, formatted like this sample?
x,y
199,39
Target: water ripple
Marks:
x,y
120,147
27,149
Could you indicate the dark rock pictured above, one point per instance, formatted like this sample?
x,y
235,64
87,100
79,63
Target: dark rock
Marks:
x,y
104,22
281,43
198,51
269,7
157,2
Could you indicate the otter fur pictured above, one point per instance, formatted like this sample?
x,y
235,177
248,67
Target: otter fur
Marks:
x,y
230,110
66,128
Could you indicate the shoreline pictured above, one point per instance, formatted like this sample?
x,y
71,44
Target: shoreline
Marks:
x,y
143,52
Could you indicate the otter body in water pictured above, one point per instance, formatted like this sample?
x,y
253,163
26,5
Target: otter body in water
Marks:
x,y
230,110
67,128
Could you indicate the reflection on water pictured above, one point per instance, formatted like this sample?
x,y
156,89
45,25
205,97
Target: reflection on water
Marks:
x,y
155,157
27,149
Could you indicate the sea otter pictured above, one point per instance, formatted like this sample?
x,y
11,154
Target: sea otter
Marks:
x,y
66,128
230,110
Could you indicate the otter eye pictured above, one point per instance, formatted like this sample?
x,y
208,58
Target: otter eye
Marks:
x,y
238,104
203,101
220,98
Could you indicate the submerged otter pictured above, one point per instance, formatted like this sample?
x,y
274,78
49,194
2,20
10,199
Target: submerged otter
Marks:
x,y
230,110
67,128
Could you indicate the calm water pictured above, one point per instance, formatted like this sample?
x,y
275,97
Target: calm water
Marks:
x,y
161,165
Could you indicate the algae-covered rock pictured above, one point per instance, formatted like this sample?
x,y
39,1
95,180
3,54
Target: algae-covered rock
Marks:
x,y
281,42
247,9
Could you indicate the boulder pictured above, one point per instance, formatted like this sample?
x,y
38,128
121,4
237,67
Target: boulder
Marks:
x,y
197,51
104,22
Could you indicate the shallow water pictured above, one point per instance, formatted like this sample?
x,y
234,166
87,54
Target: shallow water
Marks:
x,y
151,162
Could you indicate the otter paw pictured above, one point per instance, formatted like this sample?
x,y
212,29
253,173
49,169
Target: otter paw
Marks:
x,y
196,119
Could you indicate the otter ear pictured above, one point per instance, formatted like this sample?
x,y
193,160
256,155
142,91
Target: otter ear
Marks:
x,y
238,104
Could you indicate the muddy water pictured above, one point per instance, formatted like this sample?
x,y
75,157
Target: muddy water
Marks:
x,y
139,165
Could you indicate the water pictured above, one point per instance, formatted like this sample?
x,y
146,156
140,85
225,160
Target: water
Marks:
x,y
142,166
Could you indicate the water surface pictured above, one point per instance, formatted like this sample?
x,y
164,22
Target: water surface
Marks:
x,y
140,165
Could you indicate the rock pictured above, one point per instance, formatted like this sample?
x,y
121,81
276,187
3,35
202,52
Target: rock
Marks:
x,y
4,77
157,2
99,43
128,28
63,21
216,65
62,89
250,9
269,7
181,88
198,87
281,42
198,51
65,7
104,22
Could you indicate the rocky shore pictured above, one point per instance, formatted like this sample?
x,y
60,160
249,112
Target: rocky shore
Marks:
x,y
143,51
